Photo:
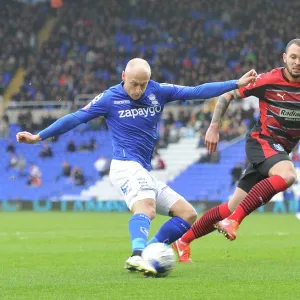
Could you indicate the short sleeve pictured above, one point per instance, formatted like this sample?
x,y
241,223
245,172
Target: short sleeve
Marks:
x,y
254,89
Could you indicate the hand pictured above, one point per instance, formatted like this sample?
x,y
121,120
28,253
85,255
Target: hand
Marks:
x,y
212,138
27,137
249,77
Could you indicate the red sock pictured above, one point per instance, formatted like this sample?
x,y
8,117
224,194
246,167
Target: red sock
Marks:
x,y
259,195
205,224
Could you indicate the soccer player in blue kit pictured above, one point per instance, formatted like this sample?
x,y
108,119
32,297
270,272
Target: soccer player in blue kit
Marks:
x,y
132,110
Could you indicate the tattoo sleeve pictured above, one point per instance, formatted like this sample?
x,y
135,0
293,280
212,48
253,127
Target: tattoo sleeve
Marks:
x,y
220,110
236,95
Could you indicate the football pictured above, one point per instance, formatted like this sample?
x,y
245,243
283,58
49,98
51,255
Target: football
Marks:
x,y
161,257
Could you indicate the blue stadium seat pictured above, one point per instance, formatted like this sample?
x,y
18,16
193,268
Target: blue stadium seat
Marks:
x,y
207,181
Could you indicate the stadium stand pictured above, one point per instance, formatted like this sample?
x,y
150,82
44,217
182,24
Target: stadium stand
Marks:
x,y
19,26
185,44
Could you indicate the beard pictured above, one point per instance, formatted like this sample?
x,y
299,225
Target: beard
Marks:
x,y
295,76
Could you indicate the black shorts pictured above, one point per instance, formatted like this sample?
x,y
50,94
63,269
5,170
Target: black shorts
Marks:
x,y
263,153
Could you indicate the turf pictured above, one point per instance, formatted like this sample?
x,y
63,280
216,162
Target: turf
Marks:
x,y
81,256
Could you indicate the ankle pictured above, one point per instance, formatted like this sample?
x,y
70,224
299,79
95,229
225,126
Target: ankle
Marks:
x,y
137,253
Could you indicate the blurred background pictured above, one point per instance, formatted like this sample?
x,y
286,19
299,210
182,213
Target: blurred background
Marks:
x,y
55,56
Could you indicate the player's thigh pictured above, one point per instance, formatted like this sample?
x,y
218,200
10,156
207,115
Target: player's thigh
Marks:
x,y
266,154
283,167
251,176
134,182
277,164
170,203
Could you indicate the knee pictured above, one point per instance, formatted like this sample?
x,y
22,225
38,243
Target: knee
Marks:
x,y
192,216
189,215
146,207
289,177
286,170
183,210
151,213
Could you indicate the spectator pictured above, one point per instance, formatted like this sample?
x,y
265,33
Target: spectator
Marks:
x,y
188,131
71,146
170,118
10,147
236,173
210,158
35,176
46,151
83,146
92,145
65,171
4,128
25,120
78,176
157,163
174,135
12,161
102,165
21,164
295,155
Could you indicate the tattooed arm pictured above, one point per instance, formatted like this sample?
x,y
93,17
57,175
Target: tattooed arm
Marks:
x,y
212,134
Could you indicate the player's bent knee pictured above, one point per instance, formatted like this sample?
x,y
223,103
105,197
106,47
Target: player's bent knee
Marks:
x,y
146,206
286,170
192,217
184,210
151,214
146,211
290,178
189,216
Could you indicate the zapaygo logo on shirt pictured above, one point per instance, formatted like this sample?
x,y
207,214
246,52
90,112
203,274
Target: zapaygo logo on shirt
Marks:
x,y
142,111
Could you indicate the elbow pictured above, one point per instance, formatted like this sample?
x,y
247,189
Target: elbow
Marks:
x,y
229,96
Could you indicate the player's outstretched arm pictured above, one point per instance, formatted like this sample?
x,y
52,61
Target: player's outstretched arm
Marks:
x,y
212,134
172,92
59,127
97,107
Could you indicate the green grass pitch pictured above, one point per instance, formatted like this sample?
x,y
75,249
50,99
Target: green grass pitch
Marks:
x,y
60,255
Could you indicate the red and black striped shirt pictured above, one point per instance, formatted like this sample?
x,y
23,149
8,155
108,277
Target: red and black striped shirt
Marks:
x,y
279,103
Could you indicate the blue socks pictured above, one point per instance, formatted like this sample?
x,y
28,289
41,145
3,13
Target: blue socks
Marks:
x,y
171,231
139,225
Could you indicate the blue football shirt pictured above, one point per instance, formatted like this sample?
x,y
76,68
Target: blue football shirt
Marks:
x,y
133,123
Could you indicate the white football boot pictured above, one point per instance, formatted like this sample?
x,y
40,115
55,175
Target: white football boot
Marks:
x,y
136,263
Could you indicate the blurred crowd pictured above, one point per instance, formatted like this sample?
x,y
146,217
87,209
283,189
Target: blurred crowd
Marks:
x,y
19,25
186,43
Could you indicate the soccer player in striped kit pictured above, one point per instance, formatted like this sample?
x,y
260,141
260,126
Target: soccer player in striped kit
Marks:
x,y
268,144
